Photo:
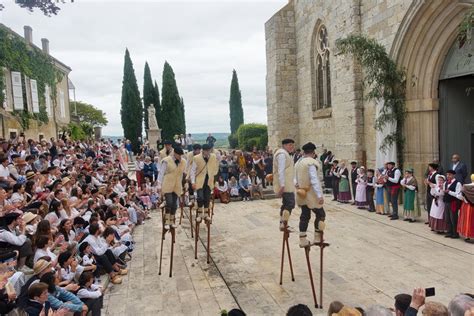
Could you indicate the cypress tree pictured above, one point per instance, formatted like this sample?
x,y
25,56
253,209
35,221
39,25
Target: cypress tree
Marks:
x,y
170,105
235,104
157,103
148,94
131,111
182,116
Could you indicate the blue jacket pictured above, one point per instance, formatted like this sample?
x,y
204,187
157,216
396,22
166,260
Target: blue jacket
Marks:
x,y
59,298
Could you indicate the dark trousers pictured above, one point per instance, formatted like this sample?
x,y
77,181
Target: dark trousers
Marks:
x,y
243,193
287,202
335,187
306,216
94,305
452,219
393,199
107,260
429,201
370,198
204,196
354,186
171,203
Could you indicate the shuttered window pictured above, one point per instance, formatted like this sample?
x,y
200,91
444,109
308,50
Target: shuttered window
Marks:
x,y
17,91
62,104
47,97
34,95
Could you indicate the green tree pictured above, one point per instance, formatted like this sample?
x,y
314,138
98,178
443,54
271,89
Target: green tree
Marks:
x,y
157,103
235,104
148,94
131,111
252,135
170,105
182,117
88,113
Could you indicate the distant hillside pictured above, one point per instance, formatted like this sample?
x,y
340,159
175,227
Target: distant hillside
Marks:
x,y
200,138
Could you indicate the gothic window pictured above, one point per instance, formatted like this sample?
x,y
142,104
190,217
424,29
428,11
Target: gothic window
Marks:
x,y
320,69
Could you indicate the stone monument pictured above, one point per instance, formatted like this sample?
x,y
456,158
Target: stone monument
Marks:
x,y
154,131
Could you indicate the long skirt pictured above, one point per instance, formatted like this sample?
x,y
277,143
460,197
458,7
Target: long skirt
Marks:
x,y
466,220
379,200
361,195
344,194
438,225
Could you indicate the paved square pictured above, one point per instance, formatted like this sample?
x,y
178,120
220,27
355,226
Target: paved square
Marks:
x,y
370,260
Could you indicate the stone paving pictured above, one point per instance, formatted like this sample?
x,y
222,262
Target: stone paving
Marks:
x,y
370,260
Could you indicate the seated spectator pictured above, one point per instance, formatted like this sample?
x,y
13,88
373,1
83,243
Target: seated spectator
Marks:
x,y
43,246
221,190
234,187
461,304
244,185
38,303
334,307
12,237
256,185
378,310
61,298
91,294
299,310
402,302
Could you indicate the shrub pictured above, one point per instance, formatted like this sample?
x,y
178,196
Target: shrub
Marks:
x,y
233,141
250,135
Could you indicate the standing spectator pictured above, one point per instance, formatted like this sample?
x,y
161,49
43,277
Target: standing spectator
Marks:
x,y
466,214
259,167
393,187
379,189
410,204
353,177
452,200
344,191
459,168
361,198
224,169
334,174
211,140
438,214
128,147
430,179
371,180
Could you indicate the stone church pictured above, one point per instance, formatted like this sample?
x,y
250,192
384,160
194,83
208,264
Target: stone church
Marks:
x,y
315,94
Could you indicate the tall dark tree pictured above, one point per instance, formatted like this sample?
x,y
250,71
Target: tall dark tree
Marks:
x,y
182,117
170,105
157,103
148,94
235,104
131,111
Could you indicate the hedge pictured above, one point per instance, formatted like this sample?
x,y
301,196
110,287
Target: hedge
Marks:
x,y
252,135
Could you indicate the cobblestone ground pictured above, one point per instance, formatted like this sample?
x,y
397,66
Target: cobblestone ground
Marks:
x,y
370,260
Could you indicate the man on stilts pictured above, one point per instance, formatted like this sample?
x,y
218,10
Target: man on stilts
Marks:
x,y
203,171
167,149
170,182
283,174
309,196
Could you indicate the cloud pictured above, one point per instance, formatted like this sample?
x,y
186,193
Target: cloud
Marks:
x,y
202,40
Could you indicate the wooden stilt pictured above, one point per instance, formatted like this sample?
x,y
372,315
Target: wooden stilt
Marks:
x,y
191,219
181,206
289,256
172,231
282,258
208,242
196,237
310,271
163,232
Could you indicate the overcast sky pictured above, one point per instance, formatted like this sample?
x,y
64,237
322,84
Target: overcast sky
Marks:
x,y
202,40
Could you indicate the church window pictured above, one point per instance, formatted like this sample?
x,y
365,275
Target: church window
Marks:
x,y
320,69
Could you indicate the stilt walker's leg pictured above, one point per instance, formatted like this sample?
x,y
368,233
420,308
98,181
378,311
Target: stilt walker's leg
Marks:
x,y
282,258
172,250
289,256
310,271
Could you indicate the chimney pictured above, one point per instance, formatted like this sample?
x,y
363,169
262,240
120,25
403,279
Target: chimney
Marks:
x,y
28,34
45,45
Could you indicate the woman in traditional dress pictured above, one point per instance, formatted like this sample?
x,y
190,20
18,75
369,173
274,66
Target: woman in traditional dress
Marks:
x,y
466,215
379,193
221,190
410,204
344,195
437,216
234,187
361,196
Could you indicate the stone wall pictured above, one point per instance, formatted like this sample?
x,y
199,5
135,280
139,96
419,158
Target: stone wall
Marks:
x,y
282,86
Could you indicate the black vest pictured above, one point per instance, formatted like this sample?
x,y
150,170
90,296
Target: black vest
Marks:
x,y
391,174
447,198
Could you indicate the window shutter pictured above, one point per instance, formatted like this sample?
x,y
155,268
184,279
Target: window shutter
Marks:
x,y
34,95
47,97
17,91
62,104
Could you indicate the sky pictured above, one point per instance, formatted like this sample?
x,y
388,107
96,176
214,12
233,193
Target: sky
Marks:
x,y
202,40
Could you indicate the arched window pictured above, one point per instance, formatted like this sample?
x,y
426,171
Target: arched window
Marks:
x,y
320,69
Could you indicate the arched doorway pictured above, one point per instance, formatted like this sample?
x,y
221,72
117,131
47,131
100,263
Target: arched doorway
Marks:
x,y
420,47
456,105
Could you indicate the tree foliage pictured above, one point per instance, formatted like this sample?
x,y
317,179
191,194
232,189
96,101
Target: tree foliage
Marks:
x,y
48,7
131,111
148,94
235,104
252,135
171,107
88,113
385,82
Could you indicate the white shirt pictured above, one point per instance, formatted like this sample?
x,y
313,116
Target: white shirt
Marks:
x,y
12,238
281,159
98,244
92,292
44,253
315,184
396,176
405,181
4,171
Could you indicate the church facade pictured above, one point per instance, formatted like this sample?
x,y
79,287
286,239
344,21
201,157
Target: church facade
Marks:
x,y
315,94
